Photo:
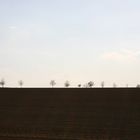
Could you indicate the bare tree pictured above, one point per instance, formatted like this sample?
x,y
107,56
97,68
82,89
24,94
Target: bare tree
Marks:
x,y
67,84
102,84
90,84
20,83
52,83
2,82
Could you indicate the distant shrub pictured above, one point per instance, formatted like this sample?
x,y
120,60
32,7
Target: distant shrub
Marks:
x,y
138,86
67,84
79,85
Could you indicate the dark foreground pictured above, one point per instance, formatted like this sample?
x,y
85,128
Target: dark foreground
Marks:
x,y
70,114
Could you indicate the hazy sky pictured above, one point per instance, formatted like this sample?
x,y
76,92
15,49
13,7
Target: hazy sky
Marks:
x,y
75,40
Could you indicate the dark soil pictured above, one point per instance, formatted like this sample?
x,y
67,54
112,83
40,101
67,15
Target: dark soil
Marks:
x,y
70,114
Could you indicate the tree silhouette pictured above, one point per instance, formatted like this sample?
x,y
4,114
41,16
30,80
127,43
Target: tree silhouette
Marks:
x,y
2,83
90,84
52,83
67,84
20,83
102,84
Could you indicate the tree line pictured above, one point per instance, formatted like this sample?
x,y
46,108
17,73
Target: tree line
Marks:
x,y
89,84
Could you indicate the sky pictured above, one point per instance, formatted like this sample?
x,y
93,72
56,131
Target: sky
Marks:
x,y
74,40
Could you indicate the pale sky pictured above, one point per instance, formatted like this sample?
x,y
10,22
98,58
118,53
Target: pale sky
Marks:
x,y
75,40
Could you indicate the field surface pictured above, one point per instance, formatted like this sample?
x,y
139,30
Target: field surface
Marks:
x,y
70,114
